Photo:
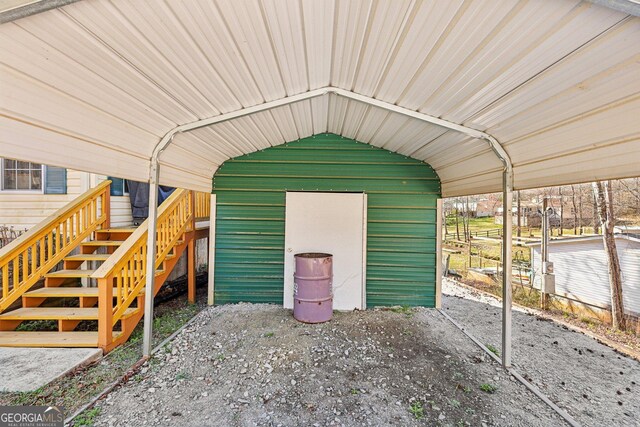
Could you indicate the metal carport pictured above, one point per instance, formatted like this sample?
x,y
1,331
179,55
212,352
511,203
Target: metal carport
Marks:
x,y
493,94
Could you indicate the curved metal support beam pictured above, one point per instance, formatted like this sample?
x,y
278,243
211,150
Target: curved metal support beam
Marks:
x,y
493,143
496,147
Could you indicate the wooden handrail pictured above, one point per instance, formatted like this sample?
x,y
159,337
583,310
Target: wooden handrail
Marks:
x,y
203,205
25,260
124,272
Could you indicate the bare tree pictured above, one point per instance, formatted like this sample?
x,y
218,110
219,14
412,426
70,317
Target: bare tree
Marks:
x,y
560,232
604,200
457,210
519,213
580,206
575,209
634,193
596,215
465,220
444,221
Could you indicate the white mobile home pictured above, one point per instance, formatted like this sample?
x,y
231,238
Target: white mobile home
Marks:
x,y
580,266
30,192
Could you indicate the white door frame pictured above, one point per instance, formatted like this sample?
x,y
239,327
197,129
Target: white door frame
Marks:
x,y
348,223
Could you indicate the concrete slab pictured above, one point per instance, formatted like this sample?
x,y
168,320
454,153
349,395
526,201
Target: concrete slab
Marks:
x,y
27,369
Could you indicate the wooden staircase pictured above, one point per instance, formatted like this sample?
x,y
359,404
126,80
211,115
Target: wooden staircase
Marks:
x,y
114,259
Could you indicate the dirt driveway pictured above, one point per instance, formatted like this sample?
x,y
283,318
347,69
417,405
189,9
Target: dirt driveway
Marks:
x,y
254,365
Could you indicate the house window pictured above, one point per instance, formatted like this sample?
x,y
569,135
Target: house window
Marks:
x,y
119,186
19,175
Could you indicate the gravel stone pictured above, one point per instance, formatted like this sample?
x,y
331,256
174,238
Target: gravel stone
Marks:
x,y
254,365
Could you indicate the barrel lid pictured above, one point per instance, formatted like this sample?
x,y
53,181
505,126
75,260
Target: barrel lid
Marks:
x,y
313,255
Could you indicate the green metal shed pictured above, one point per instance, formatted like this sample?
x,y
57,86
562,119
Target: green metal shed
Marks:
x,y
401,218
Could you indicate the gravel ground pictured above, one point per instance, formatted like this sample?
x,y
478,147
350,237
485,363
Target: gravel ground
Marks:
x,y
595,384
254,365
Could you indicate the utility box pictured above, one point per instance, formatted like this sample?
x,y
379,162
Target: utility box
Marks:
x,y
549,283
548,278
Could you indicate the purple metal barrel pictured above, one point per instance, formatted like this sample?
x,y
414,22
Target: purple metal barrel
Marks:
x,y
312,290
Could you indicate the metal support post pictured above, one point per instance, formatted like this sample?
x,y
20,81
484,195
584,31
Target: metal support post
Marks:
x,y
147,341
507,233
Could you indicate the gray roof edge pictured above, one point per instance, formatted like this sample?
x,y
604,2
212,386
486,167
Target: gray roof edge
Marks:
x,y
630,7
26,8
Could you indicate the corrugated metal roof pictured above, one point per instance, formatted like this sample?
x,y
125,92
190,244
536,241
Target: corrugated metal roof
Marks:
x,y
94,85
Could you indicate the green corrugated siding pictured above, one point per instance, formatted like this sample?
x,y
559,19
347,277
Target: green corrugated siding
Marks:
x,y
401,217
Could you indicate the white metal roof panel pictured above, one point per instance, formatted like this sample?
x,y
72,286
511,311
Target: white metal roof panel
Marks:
x,y
95,84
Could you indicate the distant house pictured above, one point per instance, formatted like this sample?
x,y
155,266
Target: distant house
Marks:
x,y
482,208
532,216
580,266
498,215
486,208
30,192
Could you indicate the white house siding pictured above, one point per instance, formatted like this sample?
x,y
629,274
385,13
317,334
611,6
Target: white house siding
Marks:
x,y
24,209
120,207
581,271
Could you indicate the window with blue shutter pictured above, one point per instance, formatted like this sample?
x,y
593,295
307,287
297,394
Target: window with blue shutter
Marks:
x,y
55,181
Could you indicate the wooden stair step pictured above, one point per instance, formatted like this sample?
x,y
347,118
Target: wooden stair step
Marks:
x,y
116,230
70,274
58,313
95,243
62,292
75,292
88,257
51,339
79,274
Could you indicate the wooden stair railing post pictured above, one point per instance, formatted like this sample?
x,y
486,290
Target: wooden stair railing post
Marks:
x,y
56,237
191,253
105,312
124,273
106,207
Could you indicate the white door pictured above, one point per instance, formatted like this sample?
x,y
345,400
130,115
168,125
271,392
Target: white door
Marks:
x,y
333,223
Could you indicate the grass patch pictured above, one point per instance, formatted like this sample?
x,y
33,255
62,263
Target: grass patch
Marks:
x,y
38,325
417,410
493,350
523,295
86,418
183,376
589,321
488,388
527,297
171,322
79,387
268,335
404,309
